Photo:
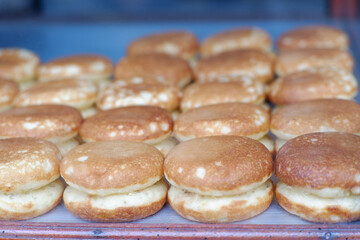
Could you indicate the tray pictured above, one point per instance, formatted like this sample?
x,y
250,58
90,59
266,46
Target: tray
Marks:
x,y
53,39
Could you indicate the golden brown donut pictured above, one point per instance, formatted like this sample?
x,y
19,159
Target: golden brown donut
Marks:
x,y
313,83
8,92
56,123
153,68
298,60
181,44
203,94
80,94
234,39
322,115
114,181
124,167
241,119
116,95
234,64
219,178
319,177
310,37
137,123
82,66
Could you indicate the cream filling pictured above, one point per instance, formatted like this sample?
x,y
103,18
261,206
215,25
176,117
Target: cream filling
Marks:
x,y
66,146
33,200
151,194
109,191
5,108
281,135
32,186
316,203
279,143
183,138
153,141
215,193
175,114
200,203
103,84
165,146
96,78
25,85
268,143
335,192
57,140
84,104
88,112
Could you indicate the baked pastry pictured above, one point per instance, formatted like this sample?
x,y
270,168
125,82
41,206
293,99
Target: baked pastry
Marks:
x,y
116,95
29,173
313,83
153,68
310,37
240,119
229,66
203,94
80,94
298,60
114,181
235,39
319,177
323,115
56,123
219,178
181,44
149,124
19,65
89,67
8,92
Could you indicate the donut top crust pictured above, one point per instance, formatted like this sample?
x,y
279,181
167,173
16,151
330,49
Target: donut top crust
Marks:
x,y
323,115
70,91
176,43
310,37
112,165
116,95
227,65
17,64
218,163
153,68
234,39
135,123
298,60
27,163
320,160
243,119
202,94
313,83
45,122
76,66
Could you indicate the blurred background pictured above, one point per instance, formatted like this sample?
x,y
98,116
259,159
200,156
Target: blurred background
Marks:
x,y
54,28
177,9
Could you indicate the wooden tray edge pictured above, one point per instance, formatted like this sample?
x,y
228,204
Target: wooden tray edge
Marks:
x,y
33,230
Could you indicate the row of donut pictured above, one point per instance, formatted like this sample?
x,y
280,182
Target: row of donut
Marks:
x,y
64,126
325,72
212,179
313,83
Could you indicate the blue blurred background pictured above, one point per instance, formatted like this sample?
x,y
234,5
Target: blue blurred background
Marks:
x,y
167,9
54,28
